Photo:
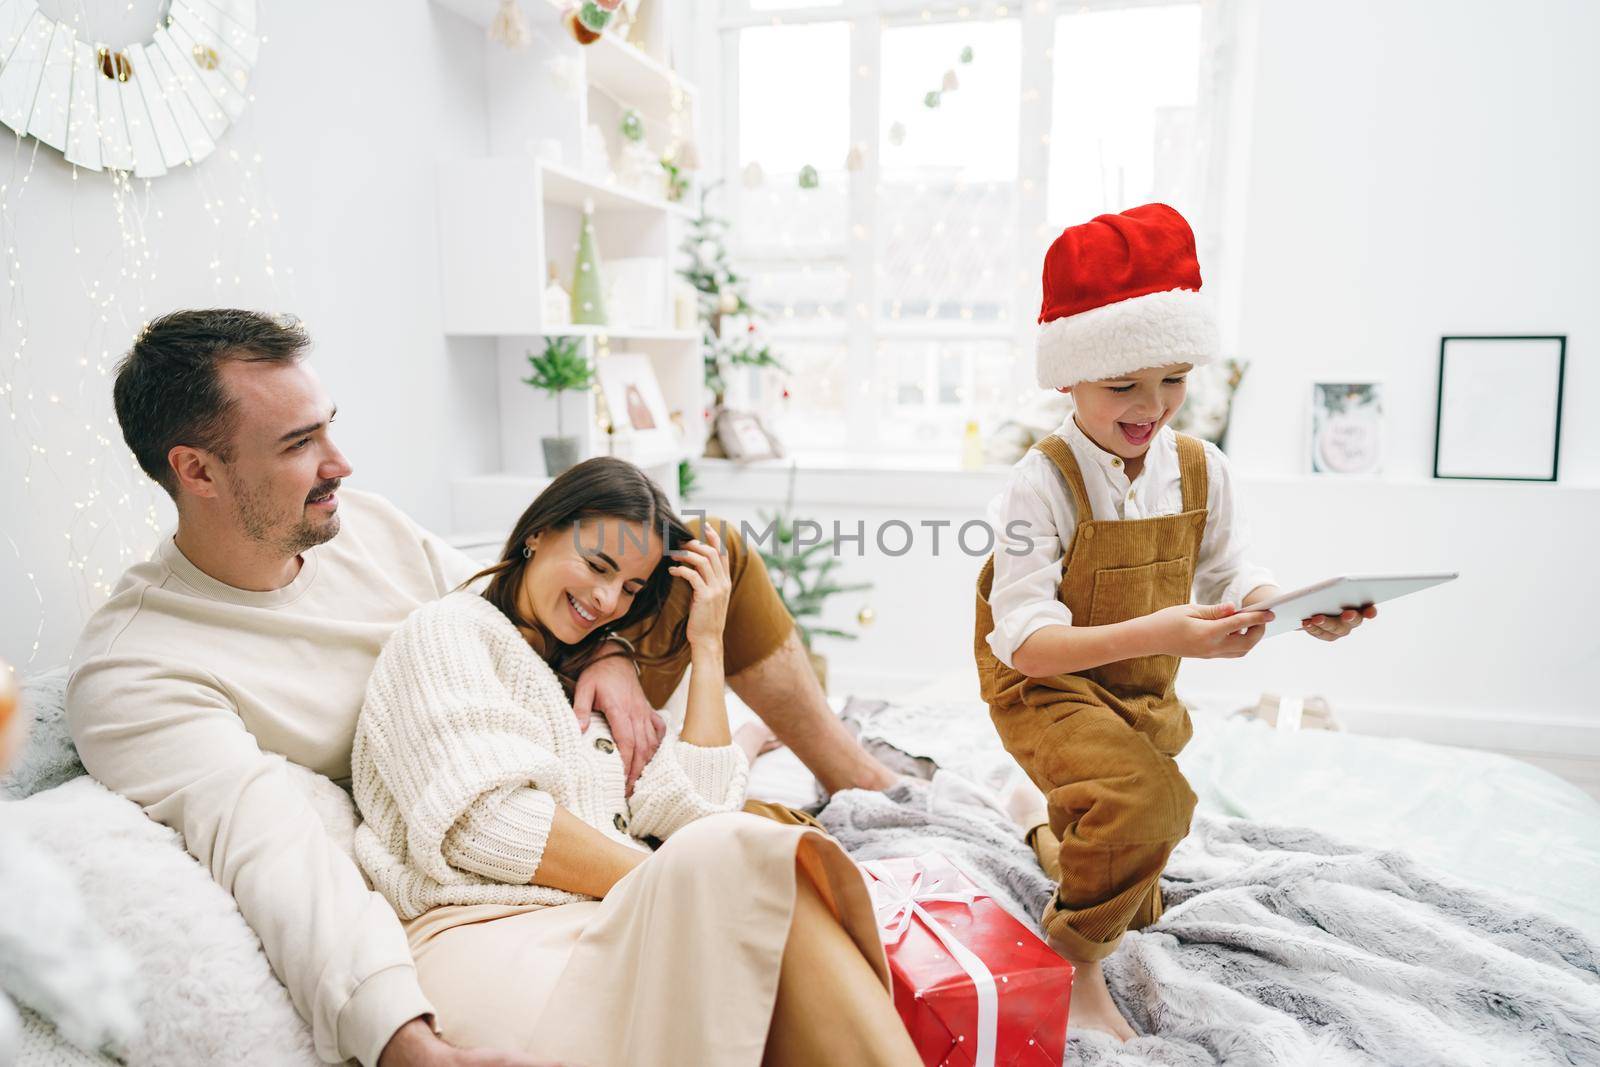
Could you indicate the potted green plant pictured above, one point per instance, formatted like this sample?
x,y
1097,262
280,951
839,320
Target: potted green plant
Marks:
x,y
804,580
560,368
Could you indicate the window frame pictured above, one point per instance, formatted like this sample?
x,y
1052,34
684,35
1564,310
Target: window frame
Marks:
x,y
861,331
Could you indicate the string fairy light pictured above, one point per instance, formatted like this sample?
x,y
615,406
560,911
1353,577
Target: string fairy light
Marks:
x,y
74,472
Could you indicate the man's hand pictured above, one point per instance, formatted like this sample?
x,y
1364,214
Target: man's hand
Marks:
x,y
1208,631
1333,627
416,1045
612,685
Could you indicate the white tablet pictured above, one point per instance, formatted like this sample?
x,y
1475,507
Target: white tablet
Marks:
x,y
1332,596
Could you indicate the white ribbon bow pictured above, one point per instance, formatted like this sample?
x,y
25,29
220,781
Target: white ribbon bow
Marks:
x,y
896,903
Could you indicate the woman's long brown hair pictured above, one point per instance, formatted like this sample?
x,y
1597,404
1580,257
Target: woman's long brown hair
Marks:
x,y
607,488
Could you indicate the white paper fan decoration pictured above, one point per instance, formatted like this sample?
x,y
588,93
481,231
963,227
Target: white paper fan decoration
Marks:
x,y
145,108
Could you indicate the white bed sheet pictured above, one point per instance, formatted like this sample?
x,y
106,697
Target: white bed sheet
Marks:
x,y
1489,819
1486,818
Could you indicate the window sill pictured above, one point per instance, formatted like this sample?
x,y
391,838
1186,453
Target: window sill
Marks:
x,y
847,462
890,482
895,482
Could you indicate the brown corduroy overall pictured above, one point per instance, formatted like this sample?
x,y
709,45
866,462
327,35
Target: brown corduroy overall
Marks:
x,y
1100,743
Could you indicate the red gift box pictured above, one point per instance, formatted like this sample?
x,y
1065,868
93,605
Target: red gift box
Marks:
x,y
972,984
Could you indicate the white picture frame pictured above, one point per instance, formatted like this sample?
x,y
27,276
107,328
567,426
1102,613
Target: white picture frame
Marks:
x,y
1346,438
641,424
1498,415
743,436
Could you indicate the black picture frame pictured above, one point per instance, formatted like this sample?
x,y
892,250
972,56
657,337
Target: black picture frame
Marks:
x,y
1439,412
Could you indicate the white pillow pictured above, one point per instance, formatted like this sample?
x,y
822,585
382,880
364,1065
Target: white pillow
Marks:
x,y
54,956
10,1031
48,756
208,995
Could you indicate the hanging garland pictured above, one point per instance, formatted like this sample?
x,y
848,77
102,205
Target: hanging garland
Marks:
x,y
632,126
508,27
145,108
586,20
854,160
948,84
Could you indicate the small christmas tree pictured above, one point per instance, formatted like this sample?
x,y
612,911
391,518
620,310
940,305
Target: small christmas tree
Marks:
x,y
686,479
588,298
722,295
803,577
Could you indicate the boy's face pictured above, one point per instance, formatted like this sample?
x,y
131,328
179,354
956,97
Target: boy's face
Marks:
x,y
1123,415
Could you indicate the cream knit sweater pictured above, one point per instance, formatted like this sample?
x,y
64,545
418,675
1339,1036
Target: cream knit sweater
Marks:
x,y
465,746
188,695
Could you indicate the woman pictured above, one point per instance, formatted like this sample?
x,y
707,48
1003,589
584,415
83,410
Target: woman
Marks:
x,y
503,836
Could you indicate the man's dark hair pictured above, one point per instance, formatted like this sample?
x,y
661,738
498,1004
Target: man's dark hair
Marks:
x,y
168,390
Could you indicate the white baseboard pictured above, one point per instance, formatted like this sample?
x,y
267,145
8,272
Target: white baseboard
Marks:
x,y
1530,735
1534,735
1564,738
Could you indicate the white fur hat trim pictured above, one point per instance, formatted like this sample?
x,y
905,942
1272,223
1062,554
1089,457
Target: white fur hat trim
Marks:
x,y
1153,330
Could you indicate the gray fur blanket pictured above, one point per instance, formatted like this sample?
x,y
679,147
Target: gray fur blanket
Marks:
x,y
1280,946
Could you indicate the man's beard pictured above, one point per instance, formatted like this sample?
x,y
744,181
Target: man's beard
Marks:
x,y
263,524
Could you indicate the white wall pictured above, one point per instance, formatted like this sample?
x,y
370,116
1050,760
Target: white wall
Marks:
x,y
1410,170
1488,660
1415,170
354,103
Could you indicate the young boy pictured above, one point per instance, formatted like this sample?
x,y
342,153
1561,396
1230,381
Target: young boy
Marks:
x,y
1083,619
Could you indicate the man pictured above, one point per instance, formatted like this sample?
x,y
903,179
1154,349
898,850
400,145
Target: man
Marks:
x,y
248,640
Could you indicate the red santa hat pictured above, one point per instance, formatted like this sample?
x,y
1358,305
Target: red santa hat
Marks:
x,y
1122,294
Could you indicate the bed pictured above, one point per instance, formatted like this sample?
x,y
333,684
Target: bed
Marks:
x,y
1483,817
1340,899
1310,852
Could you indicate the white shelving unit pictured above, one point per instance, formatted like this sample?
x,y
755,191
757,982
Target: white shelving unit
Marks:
x,y
562,185
505,217
623,72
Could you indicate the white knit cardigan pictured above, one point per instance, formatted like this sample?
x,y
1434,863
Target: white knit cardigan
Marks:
x,y
465,746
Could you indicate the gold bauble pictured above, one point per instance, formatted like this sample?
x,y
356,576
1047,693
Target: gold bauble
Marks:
x,y
866,615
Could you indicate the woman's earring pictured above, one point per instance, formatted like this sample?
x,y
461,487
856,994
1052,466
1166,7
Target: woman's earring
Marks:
x,y
527,552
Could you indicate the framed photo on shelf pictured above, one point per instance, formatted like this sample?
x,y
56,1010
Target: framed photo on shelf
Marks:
x,y
743,437
1499,408
641,426
1346,428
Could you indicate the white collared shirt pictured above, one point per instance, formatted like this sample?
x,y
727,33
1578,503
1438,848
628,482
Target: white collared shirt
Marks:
x,y
1024,597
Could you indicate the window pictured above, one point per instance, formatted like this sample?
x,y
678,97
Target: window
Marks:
x,y
902,290
1124,104
947,177
793,243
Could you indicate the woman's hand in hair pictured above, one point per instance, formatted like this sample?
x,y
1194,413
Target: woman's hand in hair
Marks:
x,y
703,565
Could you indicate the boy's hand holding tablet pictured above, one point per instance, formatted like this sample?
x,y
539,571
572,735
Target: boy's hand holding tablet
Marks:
x,y
1221,631
1332,608
1324,628
1207,631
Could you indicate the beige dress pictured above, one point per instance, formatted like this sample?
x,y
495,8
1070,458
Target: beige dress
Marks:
x,y
465,746
678,965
